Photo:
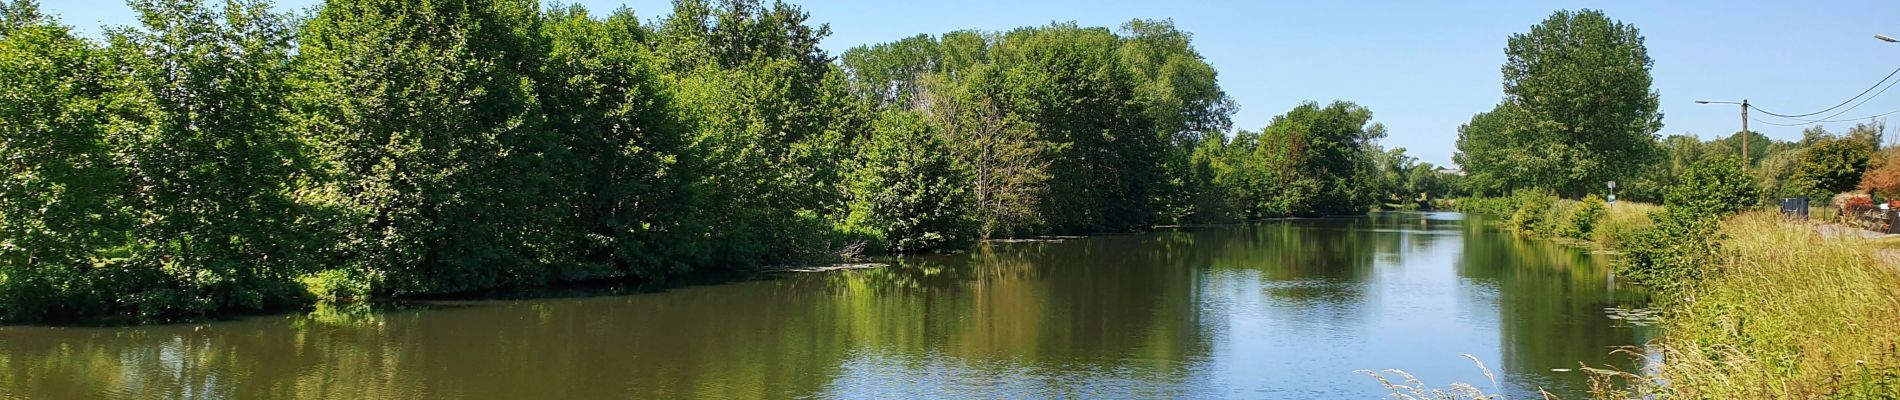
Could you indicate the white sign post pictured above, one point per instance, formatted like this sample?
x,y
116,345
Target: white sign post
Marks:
x,y
1612,198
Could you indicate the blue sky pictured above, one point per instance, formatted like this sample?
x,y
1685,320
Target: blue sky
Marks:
x,y
1423,67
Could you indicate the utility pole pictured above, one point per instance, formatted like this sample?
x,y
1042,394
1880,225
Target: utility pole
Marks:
x,y
1745,135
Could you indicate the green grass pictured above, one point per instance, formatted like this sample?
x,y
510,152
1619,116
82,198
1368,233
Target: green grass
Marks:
x,y
1783,313
1623,219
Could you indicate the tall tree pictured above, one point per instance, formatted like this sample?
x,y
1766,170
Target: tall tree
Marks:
x,y
62,192
772,118
1320,158
1578,89
425,118
629,179
909,193
887,74
1104,169
1008,166
1179,94
212,152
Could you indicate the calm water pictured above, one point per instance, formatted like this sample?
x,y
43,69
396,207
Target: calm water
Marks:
x,y
1275,310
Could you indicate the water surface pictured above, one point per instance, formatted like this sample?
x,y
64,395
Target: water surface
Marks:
x,y
1286,309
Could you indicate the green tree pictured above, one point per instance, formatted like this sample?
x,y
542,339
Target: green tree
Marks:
x,y
1211,165
1832,165
1426,180
1501,156
888,74
772,118
1759,147
432,142
1715,187
1389,173
210,146
1008,167
1312,160
1104,167
1180,96
909,193
629,178
1577,90
62,192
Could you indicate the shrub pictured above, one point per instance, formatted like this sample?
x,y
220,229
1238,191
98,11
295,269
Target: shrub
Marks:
x,y
1671,254
337,284
1492,206
1714,188
1622,222
1532,212
1685,239
1584,219
908,196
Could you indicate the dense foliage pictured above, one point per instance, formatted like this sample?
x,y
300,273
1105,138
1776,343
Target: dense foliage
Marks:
x,y
1578,110
220,157
62,195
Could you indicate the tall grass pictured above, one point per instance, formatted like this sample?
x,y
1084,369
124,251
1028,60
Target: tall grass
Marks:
x,y
1786,313
1548,217
1411,388
1622,220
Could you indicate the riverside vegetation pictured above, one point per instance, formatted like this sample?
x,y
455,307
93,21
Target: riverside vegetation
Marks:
x,y
1752,305
220,158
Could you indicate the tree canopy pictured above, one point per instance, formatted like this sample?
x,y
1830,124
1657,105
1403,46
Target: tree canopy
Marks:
x,y
1578,109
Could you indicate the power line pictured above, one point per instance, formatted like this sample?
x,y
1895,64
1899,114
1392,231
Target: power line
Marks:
x,y
1829,121
1845,110
1843,103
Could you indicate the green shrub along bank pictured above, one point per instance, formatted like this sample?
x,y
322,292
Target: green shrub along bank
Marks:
x,y
220,158
1540,214
1752,305
1663,248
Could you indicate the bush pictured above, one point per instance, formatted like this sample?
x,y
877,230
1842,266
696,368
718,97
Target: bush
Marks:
x,y
908,196
337,284
1533,212
1584,219
1492,206
1671,254
1622,222
1715,188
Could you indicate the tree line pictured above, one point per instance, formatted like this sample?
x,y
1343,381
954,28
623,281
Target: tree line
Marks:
x,y
1579,112
222,158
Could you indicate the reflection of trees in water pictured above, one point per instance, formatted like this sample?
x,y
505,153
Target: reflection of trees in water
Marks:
x,y
1061,318
683,344
1109,303
1550,301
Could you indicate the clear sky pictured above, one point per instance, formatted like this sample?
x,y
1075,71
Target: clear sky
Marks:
x,y
1423,67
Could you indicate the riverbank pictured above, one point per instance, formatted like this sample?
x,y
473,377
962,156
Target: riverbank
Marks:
x,y
1774,309
1786,313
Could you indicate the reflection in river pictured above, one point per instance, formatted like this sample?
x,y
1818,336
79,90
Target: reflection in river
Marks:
x,y
1272,310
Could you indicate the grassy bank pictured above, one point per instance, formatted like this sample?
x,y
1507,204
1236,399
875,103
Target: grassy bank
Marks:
x,y
1754,305
1600,226
1785,313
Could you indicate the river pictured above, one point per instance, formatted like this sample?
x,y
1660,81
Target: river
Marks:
x,y
1282,309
